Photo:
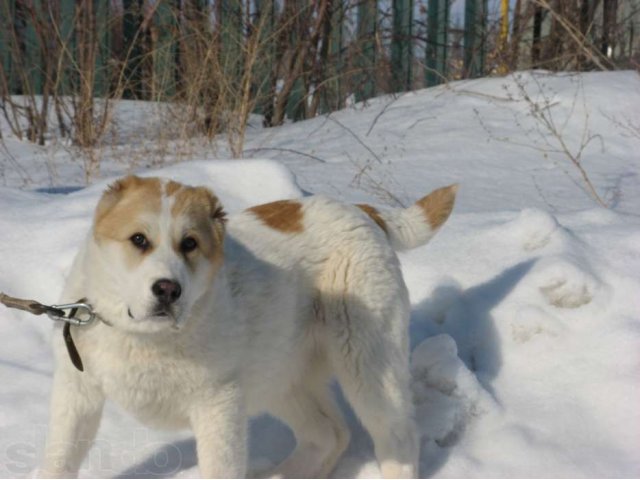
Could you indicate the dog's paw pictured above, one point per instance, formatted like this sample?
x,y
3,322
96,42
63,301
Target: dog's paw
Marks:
x,y
564,284
446,393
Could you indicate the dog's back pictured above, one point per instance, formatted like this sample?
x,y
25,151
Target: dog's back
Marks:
x,y
336,293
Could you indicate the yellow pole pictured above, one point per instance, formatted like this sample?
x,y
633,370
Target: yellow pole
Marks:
x,y
504,34
504,26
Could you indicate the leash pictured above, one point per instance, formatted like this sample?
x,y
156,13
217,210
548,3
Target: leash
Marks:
x,y
78,313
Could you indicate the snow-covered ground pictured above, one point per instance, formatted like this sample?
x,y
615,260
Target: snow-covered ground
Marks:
x,y
526,306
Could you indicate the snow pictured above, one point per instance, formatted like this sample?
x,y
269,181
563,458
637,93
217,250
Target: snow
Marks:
x,y
526,306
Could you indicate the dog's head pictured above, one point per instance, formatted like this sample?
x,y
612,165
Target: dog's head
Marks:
x,y
155,251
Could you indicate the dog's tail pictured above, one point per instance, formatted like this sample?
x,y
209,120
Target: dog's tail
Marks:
x,y
408,228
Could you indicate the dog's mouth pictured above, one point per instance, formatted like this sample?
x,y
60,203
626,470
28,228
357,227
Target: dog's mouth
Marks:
x,y
163,311
160,311
159,318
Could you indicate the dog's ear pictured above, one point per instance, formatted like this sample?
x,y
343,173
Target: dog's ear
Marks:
x,y
216,213
113,194
217,210
201,203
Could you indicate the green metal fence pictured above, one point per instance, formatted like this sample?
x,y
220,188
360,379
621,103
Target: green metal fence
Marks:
x,y
31,31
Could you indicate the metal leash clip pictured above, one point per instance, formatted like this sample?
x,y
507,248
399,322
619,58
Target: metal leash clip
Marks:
x,y
74,313
78,313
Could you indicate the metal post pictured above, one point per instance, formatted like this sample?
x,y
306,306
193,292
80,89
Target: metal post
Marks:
x,y
133,52
103,49
164,35
536,43
401,45
295,103
32,52
504,21
7,15
231,38
264,77
436,51
66,22
609,19
504,36
367,23
475,21
334,87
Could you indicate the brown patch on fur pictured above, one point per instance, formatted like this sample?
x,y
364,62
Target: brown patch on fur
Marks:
x,y
374,214
172,187
121,210
204,220
438,205
122,204
283,215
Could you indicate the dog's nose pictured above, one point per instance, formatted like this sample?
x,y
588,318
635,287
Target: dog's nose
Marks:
x,y
167,291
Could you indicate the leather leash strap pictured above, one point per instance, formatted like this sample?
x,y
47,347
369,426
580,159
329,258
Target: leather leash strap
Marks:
x,y
55,312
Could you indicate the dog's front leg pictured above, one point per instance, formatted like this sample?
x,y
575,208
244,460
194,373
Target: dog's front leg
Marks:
x,y
76,408
219,423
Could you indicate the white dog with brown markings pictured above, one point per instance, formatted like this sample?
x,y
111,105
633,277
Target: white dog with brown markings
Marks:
x,y
207,320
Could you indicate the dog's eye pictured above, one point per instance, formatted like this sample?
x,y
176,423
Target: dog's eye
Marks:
x,y
188,244
140,241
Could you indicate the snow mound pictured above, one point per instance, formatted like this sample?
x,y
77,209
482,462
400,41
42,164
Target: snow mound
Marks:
x,y
238,183
447,394
531,327
533,228
565,284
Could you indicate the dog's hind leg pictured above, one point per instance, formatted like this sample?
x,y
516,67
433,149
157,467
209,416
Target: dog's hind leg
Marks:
x,y
389,420
366,309
320,431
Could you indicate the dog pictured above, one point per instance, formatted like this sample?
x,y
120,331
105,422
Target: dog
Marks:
x,y
204,320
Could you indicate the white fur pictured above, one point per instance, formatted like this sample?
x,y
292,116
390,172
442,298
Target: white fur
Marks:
x,y
285,314
407,228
